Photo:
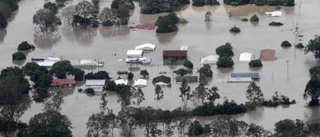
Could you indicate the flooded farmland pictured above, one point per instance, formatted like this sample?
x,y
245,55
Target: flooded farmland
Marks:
x,y
288,74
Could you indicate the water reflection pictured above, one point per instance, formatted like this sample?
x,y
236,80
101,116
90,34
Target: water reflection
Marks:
x,y
204,8
166,38
3,33
46,41
114,30
19,63
82,35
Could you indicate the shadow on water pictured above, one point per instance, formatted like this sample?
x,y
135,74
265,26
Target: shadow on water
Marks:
x,y
166,37
114,30
46,41
3,33
83,35
18,62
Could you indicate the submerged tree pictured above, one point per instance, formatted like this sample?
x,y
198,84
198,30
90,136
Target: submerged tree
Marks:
x,y
14,101
208,16
254,94
46,20
185,93
312,91
49,124
159,93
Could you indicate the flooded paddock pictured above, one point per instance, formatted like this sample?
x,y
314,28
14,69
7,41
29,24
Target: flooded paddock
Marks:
x,y
288,74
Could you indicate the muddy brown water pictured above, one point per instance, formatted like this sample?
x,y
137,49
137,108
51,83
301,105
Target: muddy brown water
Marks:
x,y
288,78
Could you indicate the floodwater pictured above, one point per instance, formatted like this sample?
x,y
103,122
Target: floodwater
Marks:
x,y
288,74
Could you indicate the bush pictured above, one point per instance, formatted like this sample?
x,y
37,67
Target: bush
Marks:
x,y
286,44
254,18
278,100
255,63
25,46
90,91
225,62
235,29
299,46
18,56
130,76
195,129
273,23
244,19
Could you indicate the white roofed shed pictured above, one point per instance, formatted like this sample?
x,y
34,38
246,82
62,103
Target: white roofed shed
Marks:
x,y
134,53
146,47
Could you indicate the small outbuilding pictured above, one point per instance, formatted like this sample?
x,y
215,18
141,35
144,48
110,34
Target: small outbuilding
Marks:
x,y
140,83
243,77
274,13
177,54
211,59
246,56
121,81
189,79
268,55
134,53
96,84
162,80
146,47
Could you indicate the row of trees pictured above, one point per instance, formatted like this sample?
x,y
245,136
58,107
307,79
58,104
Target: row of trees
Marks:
x,y
158,6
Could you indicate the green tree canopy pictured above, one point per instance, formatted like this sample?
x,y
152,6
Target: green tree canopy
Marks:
x,y
49,124
225,50
61,69
225,62
314,47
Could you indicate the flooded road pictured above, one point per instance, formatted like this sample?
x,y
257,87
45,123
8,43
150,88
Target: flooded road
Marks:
x,y
201,37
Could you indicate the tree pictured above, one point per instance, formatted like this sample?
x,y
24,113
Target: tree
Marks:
x,y
200,92
286,44
61,69
159,93
127,122
46,20
123,15
208,16
213,94
254,94
225,62
315,71
3,21
144,73
314,47
101,123
25,46
49,124
53,7
130,76
205,70
106,17
235,29
254,18
98,75
312,91
185,93
18,56
14,101
195,129
167,24
255,63
188,64
181,71
54,103
225,50
78,74
290,128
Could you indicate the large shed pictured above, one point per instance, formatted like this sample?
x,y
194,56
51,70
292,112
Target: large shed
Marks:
x,y
96,84
134,53
178,54
189,79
